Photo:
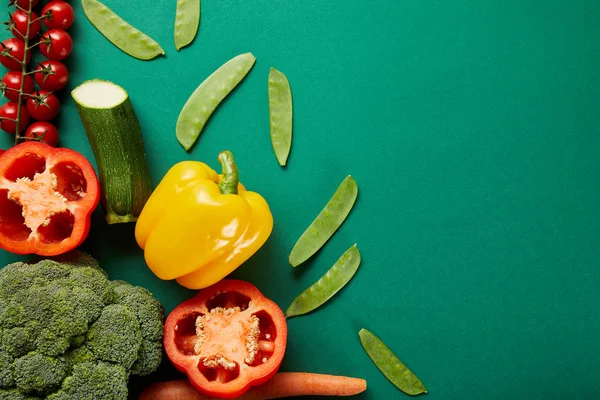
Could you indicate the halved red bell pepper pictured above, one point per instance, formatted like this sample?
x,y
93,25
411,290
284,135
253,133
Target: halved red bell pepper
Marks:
x,y
47,196
226,339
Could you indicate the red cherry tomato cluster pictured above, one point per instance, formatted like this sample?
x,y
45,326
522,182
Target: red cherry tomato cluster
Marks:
x,y
38,101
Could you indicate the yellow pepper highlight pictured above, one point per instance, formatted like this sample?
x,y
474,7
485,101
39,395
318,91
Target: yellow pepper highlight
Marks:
x,y
198,226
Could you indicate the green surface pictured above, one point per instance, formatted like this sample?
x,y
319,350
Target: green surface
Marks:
x,y
472,129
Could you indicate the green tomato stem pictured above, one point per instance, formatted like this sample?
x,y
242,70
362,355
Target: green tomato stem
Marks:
x,y
18,137
231,178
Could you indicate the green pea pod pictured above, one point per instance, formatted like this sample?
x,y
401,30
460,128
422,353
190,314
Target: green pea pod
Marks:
x,y
326,223
187,19
206,98
326,287
393,369
127,38
281,115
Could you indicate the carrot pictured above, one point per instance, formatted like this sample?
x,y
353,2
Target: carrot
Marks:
x,y
290,384
283,384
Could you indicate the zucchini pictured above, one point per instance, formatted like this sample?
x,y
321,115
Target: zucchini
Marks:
x,y
114,132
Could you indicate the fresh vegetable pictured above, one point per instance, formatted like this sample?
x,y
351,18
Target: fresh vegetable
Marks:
x,y
226,339
283,384
51,75
21,27
56,44
187,19
8,116
326,223
205,99
47,197
58,15
11,85
43,105
12,53
19,84
280,108
44,131
114,132
326,287
120,33
393,369
212,224
68,333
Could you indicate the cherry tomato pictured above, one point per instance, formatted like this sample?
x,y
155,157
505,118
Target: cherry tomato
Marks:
x,y
44,131
16,48
56,44
9,110
227,338
12,85
60,15
43,106
19,25
24,3
2,151
51,75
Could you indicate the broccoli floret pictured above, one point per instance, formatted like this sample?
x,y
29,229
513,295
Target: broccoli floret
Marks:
x,y
68,333
38,373
94,280
149,358
62,314
11,314
77,259
6,369
88,305
116,336
150,313
17,341
79,355
94,381
147,309
19,277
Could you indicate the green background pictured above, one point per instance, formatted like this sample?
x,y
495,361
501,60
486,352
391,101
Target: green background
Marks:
x,y
472,129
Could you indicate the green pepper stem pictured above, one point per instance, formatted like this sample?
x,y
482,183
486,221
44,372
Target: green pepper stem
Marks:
x,y
231,178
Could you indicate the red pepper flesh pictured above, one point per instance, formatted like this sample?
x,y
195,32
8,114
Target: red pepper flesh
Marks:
x,y
226,339
47,196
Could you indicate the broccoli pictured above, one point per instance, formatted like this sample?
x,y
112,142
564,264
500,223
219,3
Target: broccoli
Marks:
x,y
116,336
69,333
38,373
94,380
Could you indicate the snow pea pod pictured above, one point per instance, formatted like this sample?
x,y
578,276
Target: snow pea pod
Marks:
x,y
187,19
393,369
127,38
326,287
326,223
281,115
205,99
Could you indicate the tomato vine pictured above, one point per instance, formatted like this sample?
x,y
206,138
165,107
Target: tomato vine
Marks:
x,y
25,100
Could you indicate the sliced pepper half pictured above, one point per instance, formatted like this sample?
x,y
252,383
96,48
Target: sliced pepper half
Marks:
x,y
226,339
47,196
198,226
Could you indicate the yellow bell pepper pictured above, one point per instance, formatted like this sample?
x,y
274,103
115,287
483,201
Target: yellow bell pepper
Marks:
x,y
198,226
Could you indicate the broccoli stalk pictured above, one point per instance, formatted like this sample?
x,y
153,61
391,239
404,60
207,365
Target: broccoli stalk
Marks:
x,y
69,333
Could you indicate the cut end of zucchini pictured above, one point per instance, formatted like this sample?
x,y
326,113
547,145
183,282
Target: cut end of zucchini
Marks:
x,y
99,94
113,218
